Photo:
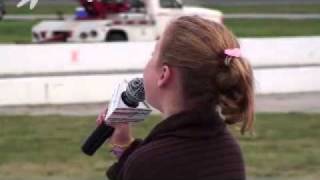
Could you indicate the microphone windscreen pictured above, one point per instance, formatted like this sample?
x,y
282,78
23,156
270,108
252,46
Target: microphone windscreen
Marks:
x,y
135,90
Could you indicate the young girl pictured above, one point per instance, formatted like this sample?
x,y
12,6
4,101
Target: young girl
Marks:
x,y
199,81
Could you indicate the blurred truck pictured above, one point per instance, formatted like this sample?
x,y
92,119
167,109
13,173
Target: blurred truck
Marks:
x,y
117,20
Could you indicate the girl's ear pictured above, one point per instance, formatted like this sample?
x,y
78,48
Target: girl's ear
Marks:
x,y
165,76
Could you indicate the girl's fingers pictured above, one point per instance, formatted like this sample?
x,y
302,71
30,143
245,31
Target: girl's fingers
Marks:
x,y
101,117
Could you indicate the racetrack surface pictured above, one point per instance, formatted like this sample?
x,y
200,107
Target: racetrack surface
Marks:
x,y
286,103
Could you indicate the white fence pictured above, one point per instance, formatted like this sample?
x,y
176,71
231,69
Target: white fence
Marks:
x,y
29,59
85,73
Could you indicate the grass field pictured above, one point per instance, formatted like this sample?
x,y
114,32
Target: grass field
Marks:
x,y
286,146
273,28
286,8
69,9
41,9
17,31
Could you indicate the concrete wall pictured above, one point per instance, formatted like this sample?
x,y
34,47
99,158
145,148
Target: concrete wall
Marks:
x,y
85,73
59,58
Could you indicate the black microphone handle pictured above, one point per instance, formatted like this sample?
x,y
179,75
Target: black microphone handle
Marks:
x,y
97,138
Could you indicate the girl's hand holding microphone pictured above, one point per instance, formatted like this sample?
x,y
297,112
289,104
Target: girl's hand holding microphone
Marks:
x,y
119,134
121,137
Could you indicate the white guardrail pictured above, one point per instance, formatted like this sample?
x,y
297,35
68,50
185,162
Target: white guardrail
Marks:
x,y
86,73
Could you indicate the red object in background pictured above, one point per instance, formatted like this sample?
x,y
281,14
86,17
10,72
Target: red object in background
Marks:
x,y
75,56
100,9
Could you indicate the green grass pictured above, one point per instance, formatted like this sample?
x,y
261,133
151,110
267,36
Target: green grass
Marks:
x,y
17,31
285,146
42,9
272,28
69,9
287,8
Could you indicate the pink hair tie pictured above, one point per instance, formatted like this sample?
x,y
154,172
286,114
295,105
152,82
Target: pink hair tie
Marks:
x,y
231,53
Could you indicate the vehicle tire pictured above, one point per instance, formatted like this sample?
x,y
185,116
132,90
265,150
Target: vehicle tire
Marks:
x,y
116,36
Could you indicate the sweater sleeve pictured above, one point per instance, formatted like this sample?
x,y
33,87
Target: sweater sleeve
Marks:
x,y
114,171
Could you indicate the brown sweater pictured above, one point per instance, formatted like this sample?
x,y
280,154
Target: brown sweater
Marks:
x,y
194,145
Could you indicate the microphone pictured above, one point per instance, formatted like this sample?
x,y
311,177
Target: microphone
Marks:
x,y
133,94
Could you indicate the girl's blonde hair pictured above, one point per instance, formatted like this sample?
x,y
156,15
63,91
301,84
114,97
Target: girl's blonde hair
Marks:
x,y
196,46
